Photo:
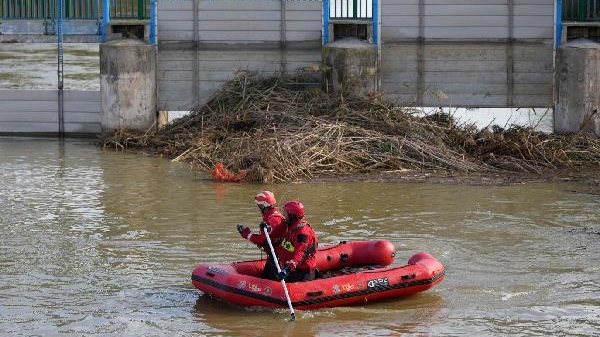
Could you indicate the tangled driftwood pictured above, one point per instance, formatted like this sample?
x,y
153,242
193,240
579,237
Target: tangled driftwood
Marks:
x,y
277,132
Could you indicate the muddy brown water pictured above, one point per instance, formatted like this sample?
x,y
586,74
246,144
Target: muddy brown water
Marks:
x,y
102,243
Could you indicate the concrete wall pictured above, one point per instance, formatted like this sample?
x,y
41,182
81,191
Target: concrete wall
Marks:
x,y
479,53
189,77
36,111
202,45
476,74
578,88
467,20
238,21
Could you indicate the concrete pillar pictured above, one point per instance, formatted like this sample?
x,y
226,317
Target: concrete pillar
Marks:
x,y
351,64
128,85
577,87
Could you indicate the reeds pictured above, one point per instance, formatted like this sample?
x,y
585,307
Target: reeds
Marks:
x,y
278,132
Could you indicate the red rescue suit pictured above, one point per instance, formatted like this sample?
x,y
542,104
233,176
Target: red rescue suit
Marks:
x,y
276,221
278,229
298,251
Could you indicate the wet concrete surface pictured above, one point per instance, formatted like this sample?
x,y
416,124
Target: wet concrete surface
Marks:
x,y
35,66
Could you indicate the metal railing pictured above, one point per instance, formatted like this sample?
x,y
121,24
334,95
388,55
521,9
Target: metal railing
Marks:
x,y
27,9
581,10
351,9
73,9
129,9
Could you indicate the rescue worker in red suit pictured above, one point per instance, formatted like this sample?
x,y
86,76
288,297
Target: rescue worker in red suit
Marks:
x,y
276,226
299,246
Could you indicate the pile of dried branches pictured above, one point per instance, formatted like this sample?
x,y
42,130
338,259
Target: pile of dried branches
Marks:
x,y
276,132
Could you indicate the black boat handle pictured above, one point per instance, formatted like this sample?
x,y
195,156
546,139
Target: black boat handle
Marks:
x,y
408,277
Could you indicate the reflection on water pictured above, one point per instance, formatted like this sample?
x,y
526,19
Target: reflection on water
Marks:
x,y
413,315
99,243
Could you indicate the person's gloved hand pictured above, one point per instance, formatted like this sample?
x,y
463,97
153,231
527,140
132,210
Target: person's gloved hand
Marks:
x,y
244,231
283,273
264,225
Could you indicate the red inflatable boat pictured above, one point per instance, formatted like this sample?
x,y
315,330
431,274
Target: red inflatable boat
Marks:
x,y
351,273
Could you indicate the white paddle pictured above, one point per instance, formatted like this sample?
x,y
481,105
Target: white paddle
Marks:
x,y
287,295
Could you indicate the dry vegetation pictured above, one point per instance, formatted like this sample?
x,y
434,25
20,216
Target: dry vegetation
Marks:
x,y
277,132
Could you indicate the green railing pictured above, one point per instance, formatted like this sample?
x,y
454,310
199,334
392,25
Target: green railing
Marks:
x,y
581,10
74,9
30,9
129,9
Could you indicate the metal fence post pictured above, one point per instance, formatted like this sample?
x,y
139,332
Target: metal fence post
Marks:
x,y
153,10
375,20
325,21
558,23
105,18
581,10
141,13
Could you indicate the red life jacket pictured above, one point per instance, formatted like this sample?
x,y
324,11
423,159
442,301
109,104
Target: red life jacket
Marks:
x,y
299,246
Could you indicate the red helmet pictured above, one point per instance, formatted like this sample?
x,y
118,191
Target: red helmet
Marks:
x,y
294,208
265,199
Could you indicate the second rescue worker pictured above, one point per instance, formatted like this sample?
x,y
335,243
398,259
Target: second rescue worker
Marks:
x,y
298,247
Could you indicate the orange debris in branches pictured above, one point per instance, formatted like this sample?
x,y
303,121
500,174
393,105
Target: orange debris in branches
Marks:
x,y
220,173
